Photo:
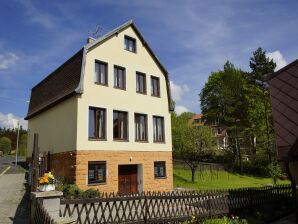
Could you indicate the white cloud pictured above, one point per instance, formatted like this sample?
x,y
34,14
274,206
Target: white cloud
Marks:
x,y
7,60
180,109
10,121
35,15
278,59
178,91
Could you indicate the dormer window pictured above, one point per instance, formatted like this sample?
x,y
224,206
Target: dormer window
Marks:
x,y
130,44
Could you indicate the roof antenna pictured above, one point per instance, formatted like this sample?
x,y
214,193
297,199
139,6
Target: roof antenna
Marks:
x,y
96,33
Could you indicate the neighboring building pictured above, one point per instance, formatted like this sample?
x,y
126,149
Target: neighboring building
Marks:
x,y
218,131
104,116
283,86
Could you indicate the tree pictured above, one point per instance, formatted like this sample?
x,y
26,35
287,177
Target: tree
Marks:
x,y
5,144
23,145
225,101
191,144
261,67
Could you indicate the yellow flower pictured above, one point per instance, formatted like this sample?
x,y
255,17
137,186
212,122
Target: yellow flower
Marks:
x,y
46,179
50,175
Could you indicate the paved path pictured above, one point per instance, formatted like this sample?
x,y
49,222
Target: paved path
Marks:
x,y
13,197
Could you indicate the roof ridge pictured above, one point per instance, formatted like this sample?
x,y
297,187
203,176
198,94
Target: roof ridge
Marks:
x,y
285,68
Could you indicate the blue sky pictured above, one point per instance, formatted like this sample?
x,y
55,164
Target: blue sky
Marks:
x,y
192,38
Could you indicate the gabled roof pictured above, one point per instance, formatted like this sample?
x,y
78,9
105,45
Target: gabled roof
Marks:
x,y
67,80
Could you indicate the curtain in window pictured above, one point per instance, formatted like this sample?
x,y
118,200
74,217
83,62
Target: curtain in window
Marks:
x,y
96,77
100,124
121,127
158,129
103,73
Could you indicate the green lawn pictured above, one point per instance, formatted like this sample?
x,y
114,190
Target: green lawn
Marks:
x,y
218,180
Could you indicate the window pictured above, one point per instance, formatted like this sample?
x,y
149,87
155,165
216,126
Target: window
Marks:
x,y
141,82
97,123
155,86
160,169
158,129
120,128
101,73
141,127
130,44
96,172
119,77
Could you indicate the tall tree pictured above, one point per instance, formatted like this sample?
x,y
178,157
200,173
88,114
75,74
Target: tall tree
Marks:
x,y
191,144
261,66
224,100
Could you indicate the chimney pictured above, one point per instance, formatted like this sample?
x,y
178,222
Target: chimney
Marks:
x,y
90,40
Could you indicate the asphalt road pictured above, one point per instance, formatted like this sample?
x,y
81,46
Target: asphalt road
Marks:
x,y
14,206
7,161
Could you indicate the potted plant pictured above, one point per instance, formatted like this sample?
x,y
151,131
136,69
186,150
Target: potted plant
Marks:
x,y
47,182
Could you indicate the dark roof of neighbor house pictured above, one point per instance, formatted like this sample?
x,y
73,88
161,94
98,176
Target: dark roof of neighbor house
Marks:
x,y
66,80
283,86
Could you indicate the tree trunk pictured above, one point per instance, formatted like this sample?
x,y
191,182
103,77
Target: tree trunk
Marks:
x,y
193,172
267,127
239,152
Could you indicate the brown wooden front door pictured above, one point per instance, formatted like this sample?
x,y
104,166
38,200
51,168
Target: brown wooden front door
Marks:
x,y
128,178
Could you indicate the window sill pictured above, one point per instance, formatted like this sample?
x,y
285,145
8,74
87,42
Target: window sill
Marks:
x,y
124,89
159,142
121,140
140,141
95,184
98,83
157,96
97,139
130,51
145,93
160,178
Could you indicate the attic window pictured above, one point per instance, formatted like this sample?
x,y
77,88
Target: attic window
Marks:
x,y
130,44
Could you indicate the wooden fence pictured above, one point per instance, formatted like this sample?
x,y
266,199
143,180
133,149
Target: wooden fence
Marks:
x,y
171,207
250,197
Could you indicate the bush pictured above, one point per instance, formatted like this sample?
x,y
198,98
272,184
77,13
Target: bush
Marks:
x,y
274,171
225,220
90,193
72,191
5,145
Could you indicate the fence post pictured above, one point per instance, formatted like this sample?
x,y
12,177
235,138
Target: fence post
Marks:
x,y
146,209
50,200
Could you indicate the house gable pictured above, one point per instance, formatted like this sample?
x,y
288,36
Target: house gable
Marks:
x,y
68,79
141,42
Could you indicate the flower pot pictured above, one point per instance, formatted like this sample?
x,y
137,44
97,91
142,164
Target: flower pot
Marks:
x,y
47,187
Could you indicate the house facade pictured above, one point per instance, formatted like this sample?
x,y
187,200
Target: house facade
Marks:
x,y
104,116
219,132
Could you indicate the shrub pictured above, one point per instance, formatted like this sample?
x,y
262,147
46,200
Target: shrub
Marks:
x,y
274,171
72,191
5,145
225,220
90,193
